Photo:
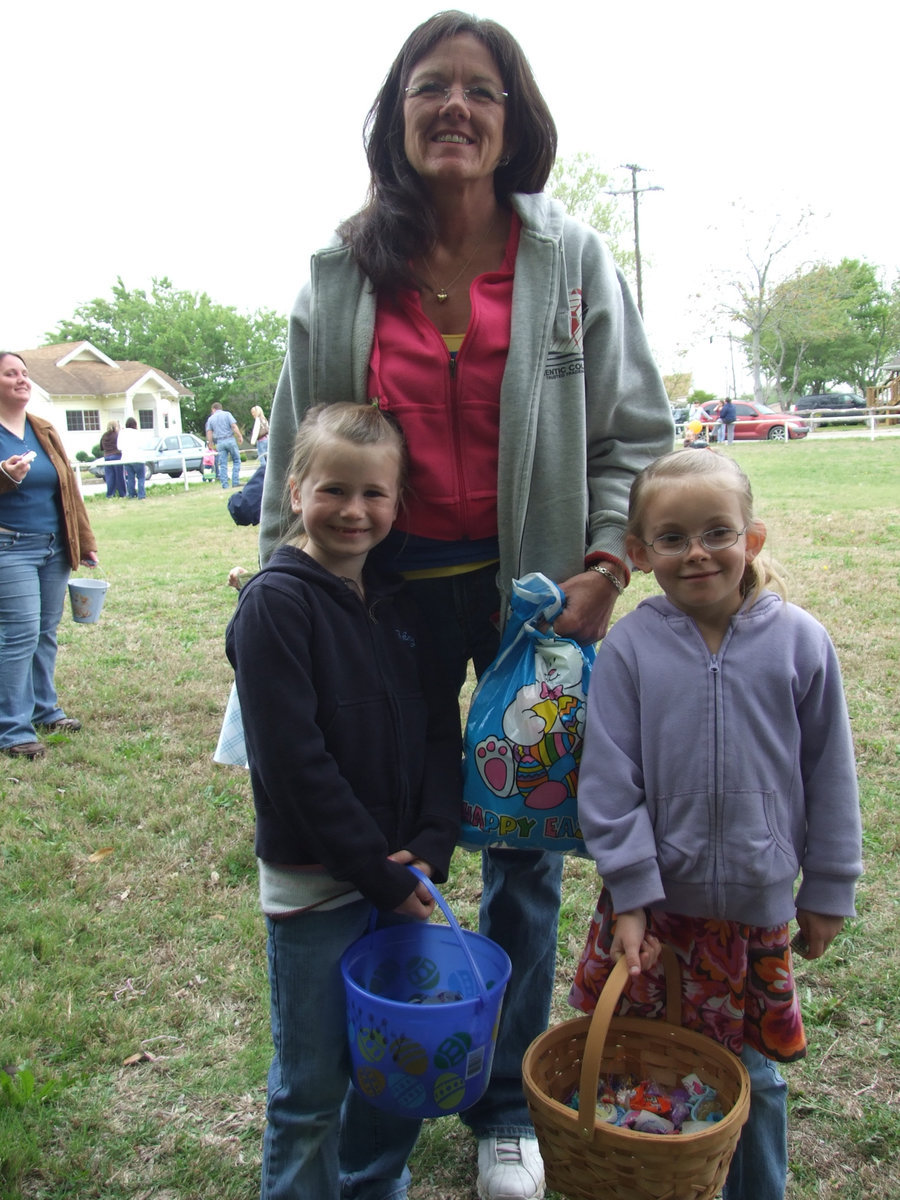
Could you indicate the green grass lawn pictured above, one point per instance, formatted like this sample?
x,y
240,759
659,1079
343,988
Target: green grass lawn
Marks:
x,y
133,999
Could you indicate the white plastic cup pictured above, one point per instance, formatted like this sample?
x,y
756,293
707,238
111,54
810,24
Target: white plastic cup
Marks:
x,y
87,596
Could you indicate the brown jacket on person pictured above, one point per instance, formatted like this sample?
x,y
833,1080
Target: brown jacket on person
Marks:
x,y
76,528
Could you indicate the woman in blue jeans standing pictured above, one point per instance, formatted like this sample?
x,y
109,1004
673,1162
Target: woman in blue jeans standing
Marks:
x,y
44,534
115,473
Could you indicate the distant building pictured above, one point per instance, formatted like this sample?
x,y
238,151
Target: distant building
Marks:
x,y
80,390
886,393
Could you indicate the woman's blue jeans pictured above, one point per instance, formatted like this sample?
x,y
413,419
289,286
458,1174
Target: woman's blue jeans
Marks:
x,y
521,892
135,474
758,1170
519,911
34,572
115,476
322,1139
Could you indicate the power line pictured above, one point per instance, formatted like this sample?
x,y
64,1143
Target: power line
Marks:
x,y
634,191
237,370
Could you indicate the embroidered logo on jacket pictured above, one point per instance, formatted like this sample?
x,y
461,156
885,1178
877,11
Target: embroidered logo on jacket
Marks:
x,y
566,355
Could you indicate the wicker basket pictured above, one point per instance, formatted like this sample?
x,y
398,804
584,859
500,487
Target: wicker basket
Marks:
x,y
585,1158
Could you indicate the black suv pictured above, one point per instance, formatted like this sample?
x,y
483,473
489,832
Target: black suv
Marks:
x,y
828,404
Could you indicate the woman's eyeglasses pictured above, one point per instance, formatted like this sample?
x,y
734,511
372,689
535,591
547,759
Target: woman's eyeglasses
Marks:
x,y
720,538
472,96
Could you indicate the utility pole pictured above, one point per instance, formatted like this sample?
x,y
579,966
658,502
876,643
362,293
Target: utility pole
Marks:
x,y
730,336
635,191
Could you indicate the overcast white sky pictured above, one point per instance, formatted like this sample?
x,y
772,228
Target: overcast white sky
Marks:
x,y
219,144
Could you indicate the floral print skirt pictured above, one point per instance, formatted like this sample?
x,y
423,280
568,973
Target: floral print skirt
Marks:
x,y
737,980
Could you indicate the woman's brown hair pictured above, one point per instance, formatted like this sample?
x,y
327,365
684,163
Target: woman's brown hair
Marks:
x,y
397,223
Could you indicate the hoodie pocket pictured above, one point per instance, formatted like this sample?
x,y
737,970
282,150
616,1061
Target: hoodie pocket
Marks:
x,y
740,840
756,848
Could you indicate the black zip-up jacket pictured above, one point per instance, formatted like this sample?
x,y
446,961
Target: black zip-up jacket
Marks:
x,y
352,753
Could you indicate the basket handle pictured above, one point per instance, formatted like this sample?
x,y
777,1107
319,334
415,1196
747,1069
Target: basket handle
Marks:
x,y
455,926
599,1028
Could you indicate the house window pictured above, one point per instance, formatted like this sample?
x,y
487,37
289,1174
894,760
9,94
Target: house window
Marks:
x,y
78,420
145,418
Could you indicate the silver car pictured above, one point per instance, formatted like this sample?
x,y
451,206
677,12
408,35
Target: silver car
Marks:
x,y
163,455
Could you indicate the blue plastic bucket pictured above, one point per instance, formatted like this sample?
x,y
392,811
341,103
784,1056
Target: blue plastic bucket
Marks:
x,y
86,597
423,1005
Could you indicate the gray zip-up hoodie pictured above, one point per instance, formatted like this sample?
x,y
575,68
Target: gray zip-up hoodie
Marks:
x,y
709,783
582,405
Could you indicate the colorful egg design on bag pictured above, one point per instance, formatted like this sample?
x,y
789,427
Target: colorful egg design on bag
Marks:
x,y
409,1056
370,1081
452,1050
384,977
449,1090
408,1091
422,972
372,1043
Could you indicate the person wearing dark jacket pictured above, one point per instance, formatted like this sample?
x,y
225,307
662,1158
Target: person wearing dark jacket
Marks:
x,y
114,474
355,765
727,418
244,505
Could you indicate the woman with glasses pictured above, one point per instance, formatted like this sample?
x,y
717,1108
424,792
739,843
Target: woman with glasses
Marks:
x,y
700,840
498,332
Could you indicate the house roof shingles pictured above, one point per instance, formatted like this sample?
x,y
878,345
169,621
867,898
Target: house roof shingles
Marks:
x,y
87,376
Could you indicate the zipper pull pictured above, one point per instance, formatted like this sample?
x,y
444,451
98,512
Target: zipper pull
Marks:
x,y
452,365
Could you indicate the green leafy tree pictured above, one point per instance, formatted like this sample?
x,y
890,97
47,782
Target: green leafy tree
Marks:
x,y
831,326
580,184
677,385
216,351
805,313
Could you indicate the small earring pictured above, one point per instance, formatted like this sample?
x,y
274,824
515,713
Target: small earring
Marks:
x,y
504,161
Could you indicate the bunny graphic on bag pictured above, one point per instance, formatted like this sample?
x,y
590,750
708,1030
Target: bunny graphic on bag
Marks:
x,y
525,730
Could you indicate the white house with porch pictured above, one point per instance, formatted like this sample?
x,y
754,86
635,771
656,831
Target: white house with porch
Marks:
x,y
80,390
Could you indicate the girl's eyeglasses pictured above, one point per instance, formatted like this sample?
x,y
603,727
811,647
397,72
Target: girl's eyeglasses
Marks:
x,y
720,538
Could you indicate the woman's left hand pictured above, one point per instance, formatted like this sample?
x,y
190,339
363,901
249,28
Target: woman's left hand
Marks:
x,y
90,559
590,599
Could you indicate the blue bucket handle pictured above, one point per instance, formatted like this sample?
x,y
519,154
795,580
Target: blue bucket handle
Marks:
x,y
457,929
454,926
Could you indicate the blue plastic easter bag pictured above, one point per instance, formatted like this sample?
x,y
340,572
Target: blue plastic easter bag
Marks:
x,y
525,731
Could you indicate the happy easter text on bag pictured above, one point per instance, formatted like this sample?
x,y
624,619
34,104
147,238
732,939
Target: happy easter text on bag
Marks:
x,y
525,730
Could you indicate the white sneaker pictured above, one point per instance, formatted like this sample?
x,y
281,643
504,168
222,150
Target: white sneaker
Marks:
x,y
510,1168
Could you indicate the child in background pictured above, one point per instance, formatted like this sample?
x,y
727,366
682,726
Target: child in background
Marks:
x,y
208,462
700,839
694,436
355,768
